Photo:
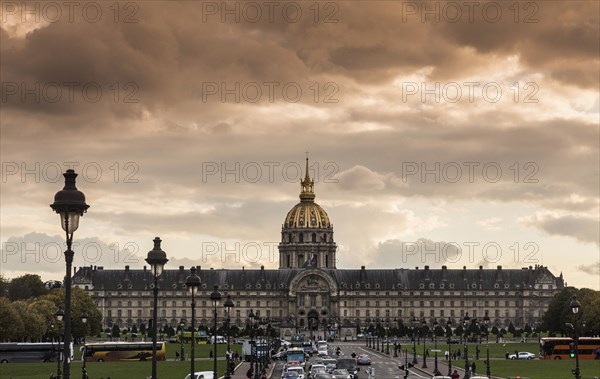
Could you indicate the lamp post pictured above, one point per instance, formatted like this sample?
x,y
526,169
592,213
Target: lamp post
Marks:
x,y
466,320
84,318
449,326
60,315
181,351
425,330
575,306
228,305
486,321
70,204
215,297
254,361
387,337
156,259
413,322
436,371
193,282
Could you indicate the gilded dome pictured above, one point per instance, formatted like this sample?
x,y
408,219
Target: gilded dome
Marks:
x,y
307,213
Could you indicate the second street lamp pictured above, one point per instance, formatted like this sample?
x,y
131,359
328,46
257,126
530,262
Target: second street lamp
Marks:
x,y
449,334
425,330
488,369
193,282
84,318
70,204
60,315
228,305
156,259
181,351
575,306
215,297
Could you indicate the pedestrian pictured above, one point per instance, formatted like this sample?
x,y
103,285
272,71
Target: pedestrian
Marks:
x,y
446,354
455,375
210,355
473,367
427,353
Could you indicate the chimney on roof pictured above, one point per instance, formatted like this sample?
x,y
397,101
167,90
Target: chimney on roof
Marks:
x,y
126,268
444,267
144,268
426,267
100,267
181,268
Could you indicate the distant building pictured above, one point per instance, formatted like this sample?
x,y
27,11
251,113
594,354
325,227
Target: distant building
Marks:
x,y
310,295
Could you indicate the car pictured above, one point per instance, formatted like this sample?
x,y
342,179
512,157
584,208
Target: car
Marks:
x,y
360,335
322,352
323,375
363,359
316,369
522,355
280,356
340,373
290,375
201,375
330,363
443,377
297,369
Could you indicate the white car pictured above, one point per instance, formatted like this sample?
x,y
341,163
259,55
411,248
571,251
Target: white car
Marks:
x,y
297,369
315,369
201,375
341,373
522,355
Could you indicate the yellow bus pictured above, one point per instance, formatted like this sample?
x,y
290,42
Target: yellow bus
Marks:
x,y
123,351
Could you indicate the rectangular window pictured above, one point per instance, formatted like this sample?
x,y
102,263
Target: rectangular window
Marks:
x,y
442,313
387,303
357,313
368,312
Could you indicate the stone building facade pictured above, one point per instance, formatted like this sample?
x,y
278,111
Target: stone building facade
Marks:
x,y
308,294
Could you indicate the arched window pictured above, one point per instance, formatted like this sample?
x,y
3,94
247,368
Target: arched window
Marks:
x,y
314,237
300,260
301,237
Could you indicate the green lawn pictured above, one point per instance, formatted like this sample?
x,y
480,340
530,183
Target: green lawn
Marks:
x,y
497,350
540,369
170,369
112,370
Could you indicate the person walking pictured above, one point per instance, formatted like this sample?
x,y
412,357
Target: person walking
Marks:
x,y
473,367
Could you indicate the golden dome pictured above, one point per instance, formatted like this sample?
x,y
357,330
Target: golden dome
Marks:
x,y
307,213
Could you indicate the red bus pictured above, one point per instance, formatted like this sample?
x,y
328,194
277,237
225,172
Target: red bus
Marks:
x,y
558,347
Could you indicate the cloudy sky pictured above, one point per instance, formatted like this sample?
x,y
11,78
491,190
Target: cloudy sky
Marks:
x,y
452,133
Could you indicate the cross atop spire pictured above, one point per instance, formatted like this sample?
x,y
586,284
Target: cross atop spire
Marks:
x,y
307,186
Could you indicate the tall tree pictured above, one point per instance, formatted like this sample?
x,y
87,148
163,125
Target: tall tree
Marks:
x,y
25,287
3,286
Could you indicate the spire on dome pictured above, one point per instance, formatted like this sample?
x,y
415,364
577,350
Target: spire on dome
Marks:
x,y
307,186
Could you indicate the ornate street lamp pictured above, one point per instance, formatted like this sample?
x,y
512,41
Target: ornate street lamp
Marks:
x,y
215,297
70,204
413,323
425,330
575,306
466,320
486,321
253,365
156,259
181,351
228,305
436,371
193,282
449,326
60,315
84,318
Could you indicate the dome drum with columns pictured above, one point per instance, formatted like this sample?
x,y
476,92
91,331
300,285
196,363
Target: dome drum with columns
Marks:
x,y
307,232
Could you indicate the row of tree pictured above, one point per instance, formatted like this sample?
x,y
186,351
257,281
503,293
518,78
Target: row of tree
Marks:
x,y
559,313
28,311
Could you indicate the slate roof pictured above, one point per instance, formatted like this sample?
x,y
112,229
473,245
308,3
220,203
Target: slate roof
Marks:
x,y
346,279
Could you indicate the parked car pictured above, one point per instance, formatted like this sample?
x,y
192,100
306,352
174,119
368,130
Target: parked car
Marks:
x,y
522,355
290,375
201,375
363,359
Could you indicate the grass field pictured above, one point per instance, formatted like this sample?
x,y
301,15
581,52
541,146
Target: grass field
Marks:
x,y
169,369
